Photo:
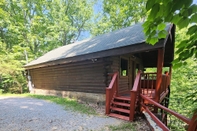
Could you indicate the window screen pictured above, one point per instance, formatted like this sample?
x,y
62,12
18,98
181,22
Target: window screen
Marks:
x,y
124,67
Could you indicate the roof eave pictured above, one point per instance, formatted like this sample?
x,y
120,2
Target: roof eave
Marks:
x,y
111,52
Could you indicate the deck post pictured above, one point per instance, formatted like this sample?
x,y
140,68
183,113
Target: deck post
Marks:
x,y
160,60
107,102
117,84
193,123
132,104
170,74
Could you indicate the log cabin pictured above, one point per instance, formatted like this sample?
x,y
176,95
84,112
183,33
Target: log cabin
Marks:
x,y
110,69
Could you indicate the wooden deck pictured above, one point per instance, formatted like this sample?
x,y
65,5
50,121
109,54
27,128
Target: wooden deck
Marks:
x,y
126,103
151,93
143,97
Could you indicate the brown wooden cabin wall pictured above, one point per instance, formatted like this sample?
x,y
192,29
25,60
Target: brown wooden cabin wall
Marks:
x,y
84,76
123,81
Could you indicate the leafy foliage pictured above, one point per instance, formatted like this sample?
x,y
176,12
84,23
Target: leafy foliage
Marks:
x,y
30,27
183,86
117,14
183,92
181,13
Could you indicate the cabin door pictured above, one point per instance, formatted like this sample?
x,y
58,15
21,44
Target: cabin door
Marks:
x,y
126,75
128,70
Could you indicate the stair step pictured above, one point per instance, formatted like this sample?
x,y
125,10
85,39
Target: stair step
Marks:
x,y
119,116
121,104
120,110
122,98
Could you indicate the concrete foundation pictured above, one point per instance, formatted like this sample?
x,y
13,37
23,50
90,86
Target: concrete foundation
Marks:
x,y
86,97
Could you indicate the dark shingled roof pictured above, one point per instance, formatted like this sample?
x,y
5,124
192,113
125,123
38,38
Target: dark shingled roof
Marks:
x,y
120,38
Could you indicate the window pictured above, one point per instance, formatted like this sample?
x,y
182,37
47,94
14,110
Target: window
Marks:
x,y
124,67
137,67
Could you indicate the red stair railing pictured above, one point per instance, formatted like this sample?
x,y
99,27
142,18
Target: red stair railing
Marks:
x,y
111,92
191,122
134,95
163,90
148,84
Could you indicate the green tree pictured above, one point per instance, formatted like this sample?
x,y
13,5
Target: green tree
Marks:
x,y
36,27
183,87
69,19
116,14
181,13
44,25
184,15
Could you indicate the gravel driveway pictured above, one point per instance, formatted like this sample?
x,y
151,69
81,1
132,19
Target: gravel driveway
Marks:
x,y
28,114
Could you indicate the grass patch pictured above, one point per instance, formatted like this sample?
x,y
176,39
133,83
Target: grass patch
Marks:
x,y
126,126
68,103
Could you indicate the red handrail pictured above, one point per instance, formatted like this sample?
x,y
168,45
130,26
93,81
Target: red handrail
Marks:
x,y
183,118
191,122
134,93
111,91
148,84
136,83
159,123
164,84
113,80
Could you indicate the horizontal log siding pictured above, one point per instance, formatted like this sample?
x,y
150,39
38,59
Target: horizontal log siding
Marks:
x,y
123,81
85,76
123,84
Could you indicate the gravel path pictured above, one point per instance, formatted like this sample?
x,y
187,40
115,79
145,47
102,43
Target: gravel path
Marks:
x,y
28,114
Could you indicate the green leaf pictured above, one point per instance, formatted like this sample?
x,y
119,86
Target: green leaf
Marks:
x,y
162,34
153,33
168,9
185,54
193,8
153,40
190,12
179,50
177,65
166,2
147,32
185,12
176,18
183,23
187,3
175,61
154,11
194,18
192,30
161,26
178,4
169,17
146,29
182,44
149,4
161,11
146,24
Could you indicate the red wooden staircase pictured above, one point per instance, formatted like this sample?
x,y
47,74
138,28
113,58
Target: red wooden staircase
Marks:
x,y
139,98
123,107
120,108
